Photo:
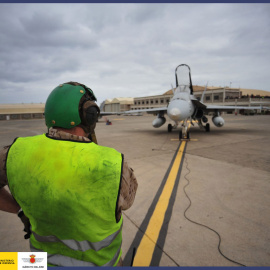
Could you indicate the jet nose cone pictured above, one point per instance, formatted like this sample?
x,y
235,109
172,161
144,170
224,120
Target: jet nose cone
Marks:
x,y
179,110
174,114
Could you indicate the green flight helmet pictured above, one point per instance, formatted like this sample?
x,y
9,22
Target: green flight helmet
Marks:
x,y
62,105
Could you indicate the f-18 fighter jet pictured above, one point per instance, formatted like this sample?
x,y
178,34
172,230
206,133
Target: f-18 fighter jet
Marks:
x,y
185,108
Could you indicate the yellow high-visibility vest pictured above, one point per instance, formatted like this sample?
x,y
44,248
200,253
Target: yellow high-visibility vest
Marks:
x,y
69,190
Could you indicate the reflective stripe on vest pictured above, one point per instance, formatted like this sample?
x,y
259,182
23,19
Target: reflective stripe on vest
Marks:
x,y
69,191
80,245
60,260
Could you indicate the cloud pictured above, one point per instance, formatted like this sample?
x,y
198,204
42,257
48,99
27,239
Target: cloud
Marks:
x,y
130,49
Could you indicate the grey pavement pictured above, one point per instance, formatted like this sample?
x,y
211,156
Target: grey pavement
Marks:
x,y
228,177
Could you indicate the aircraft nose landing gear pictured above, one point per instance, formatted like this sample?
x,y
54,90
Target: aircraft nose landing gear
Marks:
x,y
184,132
184,135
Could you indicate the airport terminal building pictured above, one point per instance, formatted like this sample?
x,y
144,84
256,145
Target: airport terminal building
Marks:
x,y
213,95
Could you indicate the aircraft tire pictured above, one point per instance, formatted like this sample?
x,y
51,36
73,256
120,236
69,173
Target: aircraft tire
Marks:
x,y
169,127
188,136
207,127
180,135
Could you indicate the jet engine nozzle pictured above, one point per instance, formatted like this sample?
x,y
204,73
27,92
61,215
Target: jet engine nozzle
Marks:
x,y
204,119
178,110
218,121
159,121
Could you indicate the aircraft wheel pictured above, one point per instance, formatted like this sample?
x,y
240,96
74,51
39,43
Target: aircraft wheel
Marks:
x,y
180,135
207,127
169,127
188,136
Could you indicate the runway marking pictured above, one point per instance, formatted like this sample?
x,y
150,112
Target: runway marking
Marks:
x,y
148,244
193,140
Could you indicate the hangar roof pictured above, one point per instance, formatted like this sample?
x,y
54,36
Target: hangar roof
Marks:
x,y
122,100
108,101
22,108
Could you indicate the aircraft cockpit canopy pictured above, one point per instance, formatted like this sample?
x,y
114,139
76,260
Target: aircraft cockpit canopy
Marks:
x,y
182,89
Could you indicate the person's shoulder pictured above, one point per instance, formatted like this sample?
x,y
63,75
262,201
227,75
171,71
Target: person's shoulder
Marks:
x,y
3,152
106,148
3,157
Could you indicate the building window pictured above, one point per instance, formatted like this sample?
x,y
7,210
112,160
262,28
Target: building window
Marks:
x,y
139,102
142,102
161,101
216,97
135,103
147,102
156,101
207,97
167,100
152,101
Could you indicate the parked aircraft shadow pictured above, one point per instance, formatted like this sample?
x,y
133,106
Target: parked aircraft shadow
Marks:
x,y
195,130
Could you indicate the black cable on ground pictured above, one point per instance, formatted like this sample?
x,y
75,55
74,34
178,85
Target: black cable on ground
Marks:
x,y
184,189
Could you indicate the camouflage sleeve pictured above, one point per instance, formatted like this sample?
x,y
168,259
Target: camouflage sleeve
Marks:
x,y
3,175
128,189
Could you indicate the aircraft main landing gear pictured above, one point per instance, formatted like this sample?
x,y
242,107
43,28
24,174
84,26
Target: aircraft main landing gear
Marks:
x,y
206,127
170,127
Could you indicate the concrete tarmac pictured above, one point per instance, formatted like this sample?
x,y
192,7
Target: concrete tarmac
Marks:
x,y
225,174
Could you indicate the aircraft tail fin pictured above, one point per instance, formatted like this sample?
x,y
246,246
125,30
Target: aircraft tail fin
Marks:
x,y
204,92
172,88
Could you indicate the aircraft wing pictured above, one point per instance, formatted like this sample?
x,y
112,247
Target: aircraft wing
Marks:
x,y
213,108
221,108
150,111
109,113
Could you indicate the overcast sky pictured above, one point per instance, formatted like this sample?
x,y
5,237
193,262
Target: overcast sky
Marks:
x,y
130,50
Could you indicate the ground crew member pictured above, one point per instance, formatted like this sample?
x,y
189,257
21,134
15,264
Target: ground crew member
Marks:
x,y
72,190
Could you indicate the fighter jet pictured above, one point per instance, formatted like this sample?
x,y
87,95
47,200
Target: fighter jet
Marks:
x,y
185,108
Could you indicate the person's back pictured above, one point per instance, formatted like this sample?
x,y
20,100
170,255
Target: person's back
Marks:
x,y
71,189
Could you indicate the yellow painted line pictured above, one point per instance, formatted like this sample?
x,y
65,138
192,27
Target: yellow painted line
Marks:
x,y
194,140
147,245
